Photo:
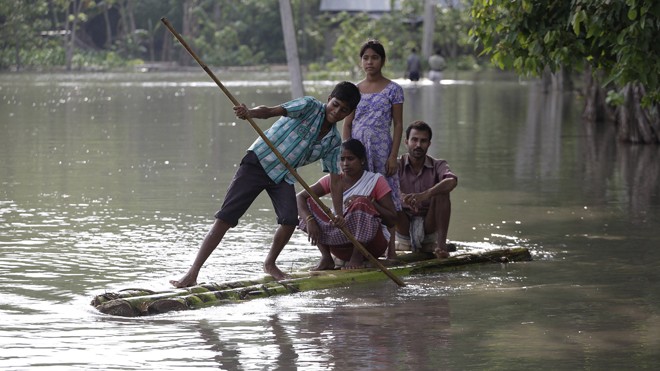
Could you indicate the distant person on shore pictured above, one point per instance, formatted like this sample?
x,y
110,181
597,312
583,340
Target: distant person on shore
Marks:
x,y
378,120
305,133
368,211
425,186
437,64
413,66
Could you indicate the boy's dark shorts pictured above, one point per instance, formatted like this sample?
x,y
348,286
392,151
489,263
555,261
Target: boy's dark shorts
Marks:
x,y
249,181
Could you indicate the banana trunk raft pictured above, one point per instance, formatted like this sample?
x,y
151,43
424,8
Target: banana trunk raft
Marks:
x,y
142,302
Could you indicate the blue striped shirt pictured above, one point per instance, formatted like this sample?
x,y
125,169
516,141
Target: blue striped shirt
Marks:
x,y
295,137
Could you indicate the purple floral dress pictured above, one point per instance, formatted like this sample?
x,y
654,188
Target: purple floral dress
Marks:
x,y
371,126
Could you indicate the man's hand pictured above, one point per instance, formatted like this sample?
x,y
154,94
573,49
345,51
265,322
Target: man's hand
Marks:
x,y
412,200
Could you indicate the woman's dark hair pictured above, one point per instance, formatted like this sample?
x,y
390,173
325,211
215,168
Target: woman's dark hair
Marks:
x,y
374,45
419,126
356,147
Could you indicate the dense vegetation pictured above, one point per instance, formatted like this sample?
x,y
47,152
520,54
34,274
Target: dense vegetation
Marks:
x,y
614,41
84,34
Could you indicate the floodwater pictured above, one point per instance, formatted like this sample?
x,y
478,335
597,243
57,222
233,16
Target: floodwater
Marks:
x,y
110,181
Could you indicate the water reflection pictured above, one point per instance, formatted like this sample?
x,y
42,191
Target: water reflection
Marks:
x,y
631,172
641,170
538,152
378,336
226,355
319,332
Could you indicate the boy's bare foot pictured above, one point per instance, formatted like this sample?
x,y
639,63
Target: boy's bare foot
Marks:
x,y
325,265
440,253
275,272
185,281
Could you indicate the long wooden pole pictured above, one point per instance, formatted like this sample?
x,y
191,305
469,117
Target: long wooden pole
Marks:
x,y
293,171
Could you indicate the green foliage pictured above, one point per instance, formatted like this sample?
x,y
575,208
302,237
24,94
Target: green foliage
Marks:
x,y
451,31
614,98
355,30
223,33
617,38
222,45
101,60
466,63
21,27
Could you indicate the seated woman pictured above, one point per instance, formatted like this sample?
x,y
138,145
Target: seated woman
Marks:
x,y
368,211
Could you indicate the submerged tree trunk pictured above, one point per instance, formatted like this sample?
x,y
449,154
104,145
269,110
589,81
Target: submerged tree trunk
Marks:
x,y
596,109
552,80
636,124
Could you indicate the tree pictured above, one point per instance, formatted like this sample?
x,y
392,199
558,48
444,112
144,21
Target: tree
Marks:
x,y
74,14
113,33
288,30
355,30
105,7
21,25
451,31
614,41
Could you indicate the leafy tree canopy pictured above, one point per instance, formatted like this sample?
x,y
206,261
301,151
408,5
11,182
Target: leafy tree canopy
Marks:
x,y
617,38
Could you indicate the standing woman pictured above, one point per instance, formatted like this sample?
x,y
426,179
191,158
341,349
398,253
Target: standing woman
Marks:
x,y
380,107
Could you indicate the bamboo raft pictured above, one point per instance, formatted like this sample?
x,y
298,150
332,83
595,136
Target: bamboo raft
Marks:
x,y
143,302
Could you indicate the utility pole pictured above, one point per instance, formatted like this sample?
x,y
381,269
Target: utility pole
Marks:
x,y
291,47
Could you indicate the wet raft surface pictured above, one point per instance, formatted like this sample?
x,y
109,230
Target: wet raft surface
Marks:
x,y
135,302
